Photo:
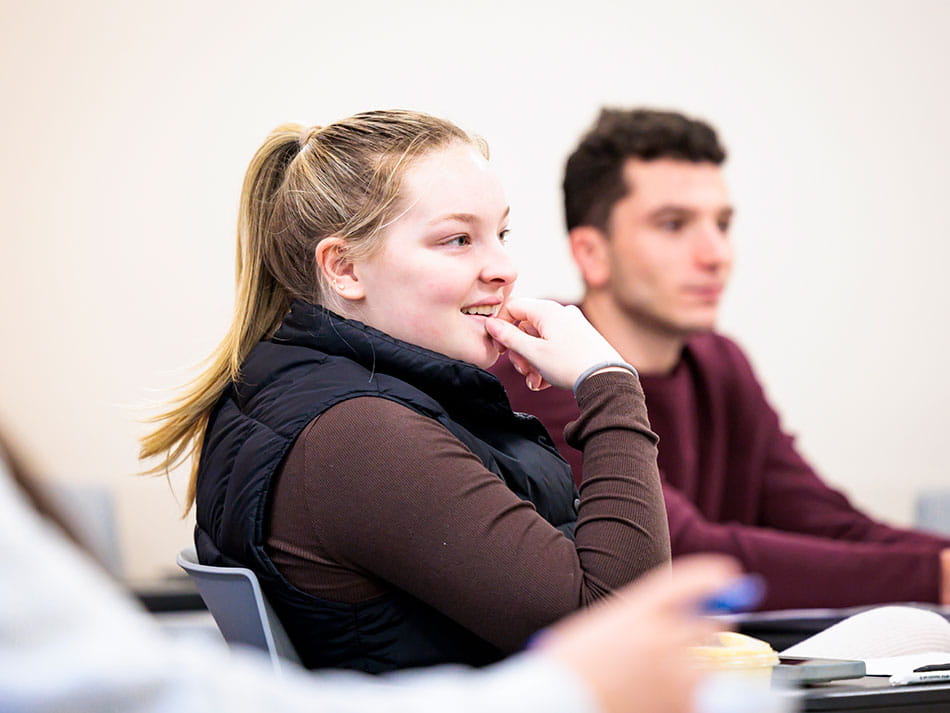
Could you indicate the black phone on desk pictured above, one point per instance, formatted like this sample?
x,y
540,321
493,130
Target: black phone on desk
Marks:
x,y
803,670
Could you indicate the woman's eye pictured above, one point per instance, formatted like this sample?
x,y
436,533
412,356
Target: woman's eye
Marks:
x,y
503,235
458,241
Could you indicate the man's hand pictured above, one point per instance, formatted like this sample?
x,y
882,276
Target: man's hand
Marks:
x,y
945,577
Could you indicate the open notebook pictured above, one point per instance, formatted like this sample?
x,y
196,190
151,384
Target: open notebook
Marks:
x,y
890,640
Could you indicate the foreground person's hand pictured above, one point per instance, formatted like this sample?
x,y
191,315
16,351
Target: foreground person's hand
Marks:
x,y
549,343
631,650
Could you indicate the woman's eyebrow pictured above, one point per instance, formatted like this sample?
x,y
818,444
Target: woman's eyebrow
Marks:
x,y
455,217
463,217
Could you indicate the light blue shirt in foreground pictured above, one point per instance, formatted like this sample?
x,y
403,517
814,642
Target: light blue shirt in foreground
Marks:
x,y
71,641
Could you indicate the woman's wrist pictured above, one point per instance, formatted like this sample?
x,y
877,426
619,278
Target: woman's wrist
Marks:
x,y
601,367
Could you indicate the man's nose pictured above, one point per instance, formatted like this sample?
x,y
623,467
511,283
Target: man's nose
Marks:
x,y
712,247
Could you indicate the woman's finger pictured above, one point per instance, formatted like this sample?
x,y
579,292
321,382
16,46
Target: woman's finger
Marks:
x,y
530,311
556,340
512,337
533,377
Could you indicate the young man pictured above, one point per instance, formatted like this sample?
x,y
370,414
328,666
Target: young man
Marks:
x,y
648,214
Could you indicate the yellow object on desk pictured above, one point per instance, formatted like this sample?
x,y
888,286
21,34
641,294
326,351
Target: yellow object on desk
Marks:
x,y
736,653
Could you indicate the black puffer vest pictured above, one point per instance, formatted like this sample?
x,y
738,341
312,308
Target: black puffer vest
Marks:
x,y
318,359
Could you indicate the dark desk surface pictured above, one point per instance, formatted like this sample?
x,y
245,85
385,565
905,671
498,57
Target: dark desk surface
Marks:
x,y
874,694
871,694
169,594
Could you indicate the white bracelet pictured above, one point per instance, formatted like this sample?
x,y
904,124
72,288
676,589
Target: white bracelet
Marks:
x,y
603,365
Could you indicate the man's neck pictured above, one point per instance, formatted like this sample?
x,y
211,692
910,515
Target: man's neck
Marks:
x,y
651,349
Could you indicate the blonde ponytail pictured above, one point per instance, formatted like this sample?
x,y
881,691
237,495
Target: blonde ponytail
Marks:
x,y
260,303
303,184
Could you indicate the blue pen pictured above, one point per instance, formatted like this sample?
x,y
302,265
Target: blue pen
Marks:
x,y
742,594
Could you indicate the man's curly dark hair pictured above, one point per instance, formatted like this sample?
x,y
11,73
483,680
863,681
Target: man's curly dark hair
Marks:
x,y
593,176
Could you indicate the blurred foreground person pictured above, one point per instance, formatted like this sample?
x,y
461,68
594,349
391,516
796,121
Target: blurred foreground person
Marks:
x,y
71,641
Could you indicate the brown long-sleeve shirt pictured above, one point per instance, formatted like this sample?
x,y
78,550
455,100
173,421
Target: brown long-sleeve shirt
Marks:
x,y
375,496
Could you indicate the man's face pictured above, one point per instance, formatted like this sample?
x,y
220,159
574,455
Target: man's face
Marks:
x,y
668,252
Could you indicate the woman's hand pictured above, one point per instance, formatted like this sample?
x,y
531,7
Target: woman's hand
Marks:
x,y
549,343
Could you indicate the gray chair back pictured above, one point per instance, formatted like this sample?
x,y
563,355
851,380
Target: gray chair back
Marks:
x,y
932,510
234,597
90,509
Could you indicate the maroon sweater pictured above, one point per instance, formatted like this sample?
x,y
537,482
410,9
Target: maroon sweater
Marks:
x,y
734,483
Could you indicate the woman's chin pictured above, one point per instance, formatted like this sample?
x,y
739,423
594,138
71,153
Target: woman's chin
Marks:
x,y
494,351
483,356
484,359
489,363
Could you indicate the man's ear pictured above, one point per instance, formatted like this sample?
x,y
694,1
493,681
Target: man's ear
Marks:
x,y
338,270
591,253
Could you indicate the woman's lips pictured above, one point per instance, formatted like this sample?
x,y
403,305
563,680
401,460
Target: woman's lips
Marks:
x,y
484,309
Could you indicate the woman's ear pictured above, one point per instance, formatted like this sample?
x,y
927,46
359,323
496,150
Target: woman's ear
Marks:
x,y
589,248
337,268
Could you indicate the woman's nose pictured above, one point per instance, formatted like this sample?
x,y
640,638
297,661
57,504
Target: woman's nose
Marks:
x,y
498,266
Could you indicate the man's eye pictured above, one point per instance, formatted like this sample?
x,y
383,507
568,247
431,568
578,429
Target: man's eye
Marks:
x,y
673,225
724,226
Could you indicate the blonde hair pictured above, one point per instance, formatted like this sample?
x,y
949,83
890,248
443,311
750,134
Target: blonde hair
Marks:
x,y
303,184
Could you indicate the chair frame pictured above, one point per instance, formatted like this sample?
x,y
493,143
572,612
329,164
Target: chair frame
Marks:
x,y
233,596
932,510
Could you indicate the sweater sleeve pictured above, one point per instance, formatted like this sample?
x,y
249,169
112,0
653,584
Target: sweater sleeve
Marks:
x,y
795,498
804,570
413,508
813,546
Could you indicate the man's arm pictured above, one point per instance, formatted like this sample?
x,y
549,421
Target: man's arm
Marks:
x,y
801,545
814,547
793,497
809,571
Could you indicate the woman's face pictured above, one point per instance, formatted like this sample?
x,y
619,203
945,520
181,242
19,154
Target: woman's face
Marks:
x,y
442,265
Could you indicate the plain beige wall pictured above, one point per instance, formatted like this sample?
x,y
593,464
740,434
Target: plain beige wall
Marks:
x,y
127,128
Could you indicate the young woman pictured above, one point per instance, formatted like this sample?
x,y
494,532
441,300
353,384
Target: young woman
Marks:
x,y
351,448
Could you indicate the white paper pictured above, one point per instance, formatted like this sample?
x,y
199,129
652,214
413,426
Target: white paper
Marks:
x,y
888,639
889,665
